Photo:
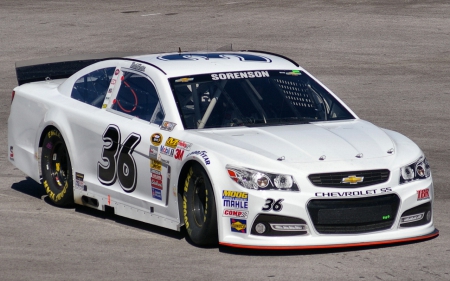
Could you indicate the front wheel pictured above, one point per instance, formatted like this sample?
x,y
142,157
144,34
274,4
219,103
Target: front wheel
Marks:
x,y
56,169
199,207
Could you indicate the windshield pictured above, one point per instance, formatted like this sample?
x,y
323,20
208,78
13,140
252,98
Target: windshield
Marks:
x,y
253,98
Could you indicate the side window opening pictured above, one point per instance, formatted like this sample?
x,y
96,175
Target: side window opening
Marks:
x,y
92,87
137,96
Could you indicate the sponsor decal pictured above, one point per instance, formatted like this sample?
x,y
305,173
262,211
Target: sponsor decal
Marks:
x,y
202,154
184,145
156,139
184,80
235,213
179,154
117,71
210,56
238,225
423,194
354,193
137,66
79,181
167,126
110,91
239,75
104,105
235,199
153,151
156,193
155,164
11,153
113,81
156,183
172,142
166,150
155,171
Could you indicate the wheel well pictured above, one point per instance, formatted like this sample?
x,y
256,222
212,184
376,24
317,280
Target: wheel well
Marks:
x,y
182,176
44,132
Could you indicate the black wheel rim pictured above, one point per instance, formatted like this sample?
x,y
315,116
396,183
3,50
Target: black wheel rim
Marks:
x,y
199,205
58,165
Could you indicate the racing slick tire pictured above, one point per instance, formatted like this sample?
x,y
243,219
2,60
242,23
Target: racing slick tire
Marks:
x,y
56,169
199,207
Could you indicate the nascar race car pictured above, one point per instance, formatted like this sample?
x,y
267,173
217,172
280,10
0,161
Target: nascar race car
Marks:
x,y
242,148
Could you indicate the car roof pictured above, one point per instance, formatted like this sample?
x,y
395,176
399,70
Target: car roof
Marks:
x,y
192,63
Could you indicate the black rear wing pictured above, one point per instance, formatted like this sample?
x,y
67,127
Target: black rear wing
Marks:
x,y
58,67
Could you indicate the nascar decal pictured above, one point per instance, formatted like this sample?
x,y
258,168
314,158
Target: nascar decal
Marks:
x,y
235,213
208,56
239,75
156,139
79,181
354,193
203,154
235,199
238,225
423,194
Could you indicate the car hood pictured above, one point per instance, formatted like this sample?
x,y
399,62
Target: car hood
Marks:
x,y
333,141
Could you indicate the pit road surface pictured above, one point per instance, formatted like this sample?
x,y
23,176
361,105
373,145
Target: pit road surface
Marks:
x,y
388,60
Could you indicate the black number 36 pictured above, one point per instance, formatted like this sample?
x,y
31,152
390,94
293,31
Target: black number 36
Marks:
x,y
119,159
271,204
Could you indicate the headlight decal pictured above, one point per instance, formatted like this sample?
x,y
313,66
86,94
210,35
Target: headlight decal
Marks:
x,y
417,170
259,180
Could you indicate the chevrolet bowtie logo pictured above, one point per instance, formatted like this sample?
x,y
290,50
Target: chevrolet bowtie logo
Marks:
x,y
352,179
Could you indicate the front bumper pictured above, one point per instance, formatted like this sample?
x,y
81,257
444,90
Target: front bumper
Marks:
x,y
328,217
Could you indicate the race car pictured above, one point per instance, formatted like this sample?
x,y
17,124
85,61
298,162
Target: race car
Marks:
x,y
242,148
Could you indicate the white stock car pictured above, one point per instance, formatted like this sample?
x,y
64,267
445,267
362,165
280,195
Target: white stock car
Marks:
x,y
243,148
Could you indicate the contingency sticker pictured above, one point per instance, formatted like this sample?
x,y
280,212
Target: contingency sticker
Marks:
x,y
235,199
167,126
238,225
79,181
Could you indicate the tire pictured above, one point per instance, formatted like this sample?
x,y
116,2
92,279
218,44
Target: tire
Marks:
x,y
199,207
56,169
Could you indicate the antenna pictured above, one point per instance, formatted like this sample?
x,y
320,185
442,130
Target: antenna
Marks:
x,y
179,50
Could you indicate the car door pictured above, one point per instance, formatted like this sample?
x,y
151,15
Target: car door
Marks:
x,y
125,135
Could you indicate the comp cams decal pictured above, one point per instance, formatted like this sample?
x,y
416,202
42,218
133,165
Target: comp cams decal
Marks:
x,y
119,160
235,213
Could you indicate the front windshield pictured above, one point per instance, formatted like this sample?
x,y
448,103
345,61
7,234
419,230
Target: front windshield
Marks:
x,y
253,98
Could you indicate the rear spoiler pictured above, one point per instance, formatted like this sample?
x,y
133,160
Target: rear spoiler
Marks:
x,y
58,67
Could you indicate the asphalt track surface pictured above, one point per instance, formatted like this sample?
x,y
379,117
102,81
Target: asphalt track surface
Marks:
x,y
388,60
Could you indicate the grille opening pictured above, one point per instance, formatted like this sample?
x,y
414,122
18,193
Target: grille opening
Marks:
x,y
352,216
370,177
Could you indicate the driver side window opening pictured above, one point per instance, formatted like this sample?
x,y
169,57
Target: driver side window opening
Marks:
x,y
92,87
137,96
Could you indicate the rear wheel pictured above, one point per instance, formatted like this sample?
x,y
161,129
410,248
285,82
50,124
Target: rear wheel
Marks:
x,y
199,207
56,169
